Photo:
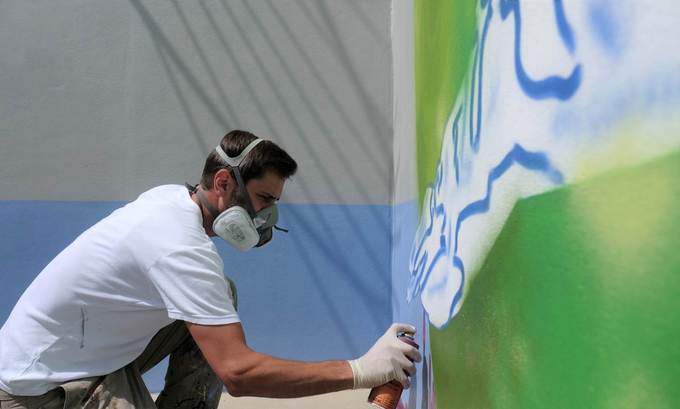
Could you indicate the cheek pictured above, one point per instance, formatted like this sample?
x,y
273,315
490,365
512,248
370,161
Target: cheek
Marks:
x,y
257,203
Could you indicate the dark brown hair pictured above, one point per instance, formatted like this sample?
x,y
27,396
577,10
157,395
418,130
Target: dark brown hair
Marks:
x,y
264,157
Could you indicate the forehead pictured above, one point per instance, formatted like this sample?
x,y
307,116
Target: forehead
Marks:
x,y
269,183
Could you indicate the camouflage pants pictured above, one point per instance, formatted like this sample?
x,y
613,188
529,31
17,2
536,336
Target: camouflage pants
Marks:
x,y
190,383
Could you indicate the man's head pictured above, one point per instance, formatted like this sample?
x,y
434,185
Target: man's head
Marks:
x,y
266,156
262,172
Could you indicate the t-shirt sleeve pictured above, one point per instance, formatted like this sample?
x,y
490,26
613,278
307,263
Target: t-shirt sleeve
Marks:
x,y
192,286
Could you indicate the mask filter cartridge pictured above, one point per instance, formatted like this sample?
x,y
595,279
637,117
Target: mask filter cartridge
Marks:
x,y
237,228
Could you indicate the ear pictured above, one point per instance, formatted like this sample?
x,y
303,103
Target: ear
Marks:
x,y
223,181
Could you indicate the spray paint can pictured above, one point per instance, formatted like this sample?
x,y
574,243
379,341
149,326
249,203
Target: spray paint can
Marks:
x,y
387,396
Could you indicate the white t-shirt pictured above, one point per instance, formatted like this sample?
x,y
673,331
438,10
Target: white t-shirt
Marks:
x,y
97,305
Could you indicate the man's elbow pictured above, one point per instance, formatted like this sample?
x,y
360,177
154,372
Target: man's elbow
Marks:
x,y
235,382
234,391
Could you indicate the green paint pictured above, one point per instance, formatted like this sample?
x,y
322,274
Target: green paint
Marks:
x,y
577,304
445,33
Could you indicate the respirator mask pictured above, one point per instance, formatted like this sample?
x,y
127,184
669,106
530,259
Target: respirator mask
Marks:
x,y
239,225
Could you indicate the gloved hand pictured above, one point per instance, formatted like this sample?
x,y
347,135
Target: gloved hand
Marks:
x,y
388,359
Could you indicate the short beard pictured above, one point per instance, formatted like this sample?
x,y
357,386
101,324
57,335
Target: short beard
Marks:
x,y
237,199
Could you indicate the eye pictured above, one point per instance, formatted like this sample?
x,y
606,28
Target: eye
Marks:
x,y
266,199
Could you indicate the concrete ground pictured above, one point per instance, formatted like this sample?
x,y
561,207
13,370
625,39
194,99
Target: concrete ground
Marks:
x,y
337,400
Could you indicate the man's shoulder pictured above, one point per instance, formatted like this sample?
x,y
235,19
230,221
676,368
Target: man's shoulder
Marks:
x,y
162,193
165,219
165,201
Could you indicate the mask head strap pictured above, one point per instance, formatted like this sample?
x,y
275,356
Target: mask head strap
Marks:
x,y
235,163
236,160
244,192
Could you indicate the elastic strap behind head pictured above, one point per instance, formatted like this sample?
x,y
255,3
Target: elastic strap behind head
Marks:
x,y
236,161
244,192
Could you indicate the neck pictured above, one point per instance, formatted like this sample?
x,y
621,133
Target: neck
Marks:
x,y
206,214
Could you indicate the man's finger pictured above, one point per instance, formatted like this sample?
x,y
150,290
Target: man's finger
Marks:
x,y
413,354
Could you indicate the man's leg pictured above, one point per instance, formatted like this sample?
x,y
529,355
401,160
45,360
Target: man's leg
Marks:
x,y
125,388
122,389
189,381
53,399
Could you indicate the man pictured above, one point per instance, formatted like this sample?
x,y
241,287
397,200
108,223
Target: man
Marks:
x,y
147,282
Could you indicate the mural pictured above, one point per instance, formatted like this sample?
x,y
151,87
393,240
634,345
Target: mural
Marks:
x,y
544,255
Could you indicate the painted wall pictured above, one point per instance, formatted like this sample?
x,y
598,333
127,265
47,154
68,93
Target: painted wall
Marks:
x,y
102,100
405,209
548,148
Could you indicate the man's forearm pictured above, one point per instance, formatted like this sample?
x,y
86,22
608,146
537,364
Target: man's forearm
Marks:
x,y
246,372
265,376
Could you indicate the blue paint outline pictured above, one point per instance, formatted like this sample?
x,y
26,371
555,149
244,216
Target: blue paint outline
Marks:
x,y
536,161
566,33
605,27
458,263
552,86
478,66
421,279
454,141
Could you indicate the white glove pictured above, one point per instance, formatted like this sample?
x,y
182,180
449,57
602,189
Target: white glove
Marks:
x,y
390,358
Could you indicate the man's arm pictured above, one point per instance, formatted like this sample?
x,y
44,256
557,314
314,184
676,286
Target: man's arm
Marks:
x,y
249,373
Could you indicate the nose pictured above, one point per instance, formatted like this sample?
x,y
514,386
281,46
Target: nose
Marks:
x,y
261,206
258,204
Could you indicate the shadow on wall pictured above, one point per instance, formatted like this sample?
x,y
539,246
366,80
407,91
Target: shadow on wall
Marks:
x,y
180,71
268,58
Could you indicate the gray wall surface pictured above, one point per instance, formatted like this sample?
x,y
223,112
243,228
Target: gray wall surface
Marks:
x,y
100,100
404,179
